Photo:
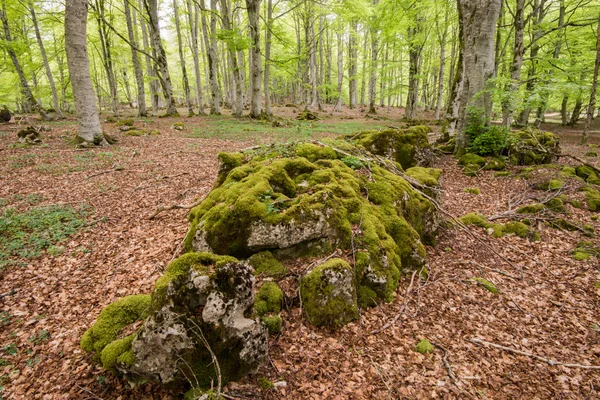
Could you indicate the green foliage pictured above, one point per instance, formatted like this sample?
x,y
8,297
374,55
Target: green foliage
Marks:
x,y
353,162
486,284
490,141
26,234
424,347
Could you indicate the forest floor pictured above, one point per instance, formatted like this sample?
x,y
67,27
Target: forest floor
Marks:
x,y
547,304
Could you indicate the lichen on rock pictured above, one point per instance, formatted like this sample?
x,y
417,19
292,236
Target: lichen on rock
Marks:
x,y
532,146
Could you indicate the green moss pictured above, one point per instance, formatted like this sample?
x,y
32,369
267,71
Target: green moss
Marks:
x,y
268,300
556,204
112,319
592,197
475,219
591,154
135,132
425,176
495,164
154,132
322,305
265,263
125,122
471,159
273,323
531,209
195,393
472,190
568,172
532,147
487,285
424,347
583,171
366,297
552,185
265,383
313,152
501,174
581,255
513,227
471,169
115,351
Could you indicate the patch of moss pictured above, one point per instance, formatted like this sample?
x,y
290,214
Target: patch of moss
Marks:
x,y
273,323
556,204
471,169
552,185
495,164
112,319
265,383
313,152
268,300
320,300
125,122
501,174
585,250
581,255
424,347
425,176
135,132
487,285
592,197
117,351
532,147
472,190
471,159
265,263
568,172
512,227
476,219
531,209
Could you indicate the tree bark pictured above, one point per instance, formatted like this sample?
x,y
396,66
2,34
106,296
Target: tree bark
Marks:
x,y
107,61
215,105
161,56
13,56
340,75
592,103
440,88
253,7
193,18
517,62
38,36
478,19
90,130
150,70
352,64
137,68
414,54
374,60
268,27
186,82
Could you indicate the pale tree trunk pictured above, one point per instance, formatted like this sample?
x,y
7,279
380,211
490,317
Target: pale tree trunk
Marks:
x,y
127,87
193,22
253,7
592,103
90,130
107,61
61,73
186,82
238,105
45,61
352,67
363,85
268,27
215,104
13,56
161,56
440,88
150,69
517,62
414,59
137,68
340,74
374,54
478,19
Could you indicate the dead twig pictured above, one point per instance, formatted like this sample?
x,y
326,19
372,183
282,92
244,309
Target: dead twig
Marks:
x,y
175,207
11,292
106,171
548,361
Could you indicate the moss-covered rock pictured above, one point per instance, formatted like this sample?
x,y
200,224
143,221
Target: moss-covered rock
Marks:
x,y
531,209
329,295
424,347
409,147
532,146
265,263
471,159
498,230
425,176
471,169
502,174
125,122
592,197
551,185
495,164
268,299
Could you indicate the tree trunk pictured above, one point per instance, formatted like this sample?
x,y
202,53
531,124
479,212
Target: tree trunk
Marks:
x,y
137,68
253,7
13,56
184,76
340,75
592,103
193,22
238,90
150,69
211,44
515,69
107,60
352,67
363,86
374,54
478,19
440,88
268,27
90,130
45,61
414,55
161,57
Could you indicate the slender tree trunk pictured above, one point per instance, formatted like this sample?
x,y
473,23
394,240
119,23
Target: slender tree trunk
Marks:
x,y
363,86
211,44
592,103
414,55
13,56
161,56
478,19
517,62
238,98
186,82
90,130
564,116
340,75
151,72
374,60
45,61
253,7
107,59
268,27
137,68
352,64
193,18
440,88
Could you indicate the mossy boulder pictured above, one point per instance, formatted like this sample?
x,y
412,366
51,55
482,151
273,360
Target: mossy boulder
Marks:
x,y
329,294
532,146
499,230
592,197
265,263
471,159
495,164
201,298
409,147
124,122
274,200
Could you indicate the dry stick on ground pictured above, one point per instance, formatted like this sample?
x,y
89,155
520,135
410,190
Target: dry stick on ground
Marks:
x,y
537,357
175,207
106,171
393,321
449,368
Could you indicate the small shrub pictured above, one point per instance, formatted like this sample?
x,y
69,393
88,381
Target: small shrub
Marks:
x,y
490,141
353,162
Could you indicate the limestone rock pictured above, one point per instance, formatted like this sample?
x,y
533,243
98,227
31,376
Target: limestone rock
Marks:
x,y
29,135
531,147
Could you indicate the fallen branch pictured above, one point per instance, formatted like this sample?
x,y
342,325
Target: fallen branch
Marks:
x,y
106,171
548,361
175,207
11,292
580,160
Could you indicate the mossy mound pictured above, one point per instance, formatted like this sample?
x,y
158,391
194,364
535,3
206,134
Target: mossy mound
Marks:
x,y
531,147
265,263
329,295
499,230
424,347
585,251
124,122
268,299
592,197
495,164
471,159
409,147
550,185
275,200
489,286
472,190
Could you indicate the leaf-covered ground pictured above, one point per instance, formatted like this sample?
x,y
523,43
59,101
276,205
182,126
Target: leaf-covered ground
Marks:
x,y
547,302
